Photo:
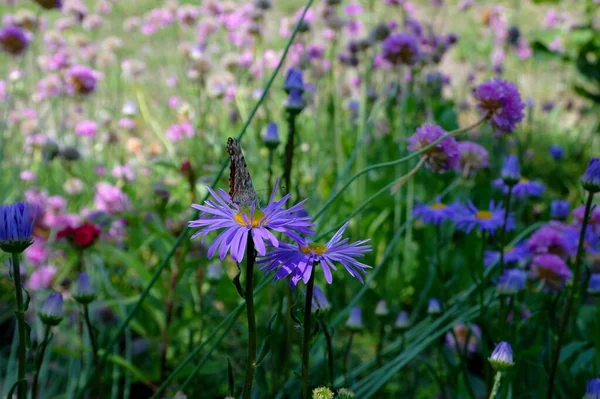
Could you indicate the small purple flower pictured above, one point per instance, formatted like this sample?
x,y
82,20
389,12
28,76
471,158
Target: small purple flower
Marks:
x,y
84,291
594,284
86,128
557,152
433,214
355,321
402,321
523,189
548,240
550,269
270,135
444,156
434,307
559,209
81,80
14,39
320,301
591,178
514,254
16,226
511,281
294,81
295,102
382,309
489,220
511,171
241,223
52,310
502,357
472,156
593,389
501,102
299,260
401,48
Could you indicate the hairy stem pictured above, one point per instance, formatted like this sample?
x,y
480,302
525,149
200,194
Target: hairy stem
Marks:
x,y
307,337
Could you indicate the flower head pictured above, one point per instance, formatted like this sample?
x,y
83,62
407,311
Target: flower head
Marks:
x,y
472,156
294,81
502,356
511,171
593,389
14,39
240,223
501,102
299,260
401,48
84,291
511,281
322,393
443,156
489,220
524,188
550,269
559,209
434,307
295,102
83,236
402,321
433,214
548,240
110,199
594,284
557,152
355,321
16,227
81,79
382,309
52,310
591,178
270,136
512,254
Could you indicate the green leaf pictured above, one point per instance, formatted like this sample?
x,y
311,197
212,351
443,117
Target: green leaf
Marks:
x,y
231,380
568,350
128,366
27,335
266,346
12,389
27,300
237,283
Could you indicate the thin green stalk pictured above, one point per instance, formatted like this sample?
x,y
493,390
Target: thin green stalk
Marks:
x,y
88,323
307,336
39,360
497,384
270,171
329,344
381,338
20,312
288,161
504,223
396,162
564,321
347,355
182,236
249,289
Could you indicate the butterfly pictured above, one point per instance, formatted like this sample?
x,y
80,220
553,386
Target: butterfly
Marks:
x,y
241,189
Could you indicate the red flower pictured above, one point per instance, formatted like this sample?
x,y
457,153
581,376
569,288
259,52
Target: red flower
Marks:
x,y
82,236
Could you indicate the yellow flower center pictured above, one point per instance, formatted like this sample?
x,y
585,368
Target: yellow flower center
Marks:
x,y
524,180
509,249
255,221
312,248
438,206
484,215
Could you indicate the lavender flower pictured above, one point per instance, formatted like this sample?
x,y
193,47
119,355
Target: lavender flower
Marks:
x,y
401,48
443,156
594,284
559,209
472,156
511,281
502,357
14,39
501,102
591,178
16,227
355,321
550,269
52,310
433,214
469,217
299,260
240,223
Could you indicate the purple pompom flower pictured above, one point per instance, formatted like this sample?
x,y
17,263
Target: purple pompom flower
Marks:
x,y
401,48
551,269
239,223
501,102
472,156
81,80
14,39
299,260
548,240
523,189
514,254
433,214
488,220
443,156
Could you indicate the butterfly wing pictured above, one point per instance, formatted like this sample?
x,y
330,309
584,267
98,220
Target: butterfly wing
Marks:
x,y
241,189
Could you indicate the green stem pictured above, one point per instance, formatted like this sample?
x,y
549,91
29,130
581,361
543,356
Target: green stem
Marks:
x,y
270,171
88,323
307,336
251,361
20,312
504,223
571,299
288,162
380,343
329,344
496,387
39,360
346,356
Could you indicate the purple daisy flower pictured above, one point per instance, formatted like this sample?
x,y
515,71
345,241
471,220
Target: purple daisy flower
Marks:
x,y
524,188
548,240
472,156
488,220
501,102
514,254
511,281
240,222
433,214
550,269
401,48
299,260
443,156
14,40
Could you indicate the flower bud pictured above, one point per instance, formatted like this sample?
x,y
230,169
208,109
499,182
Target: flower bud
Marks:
x,y
381,309
84,292
354,321
502,357
434,308
270,136
402,323
591,178
511,172
52,310
322,393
